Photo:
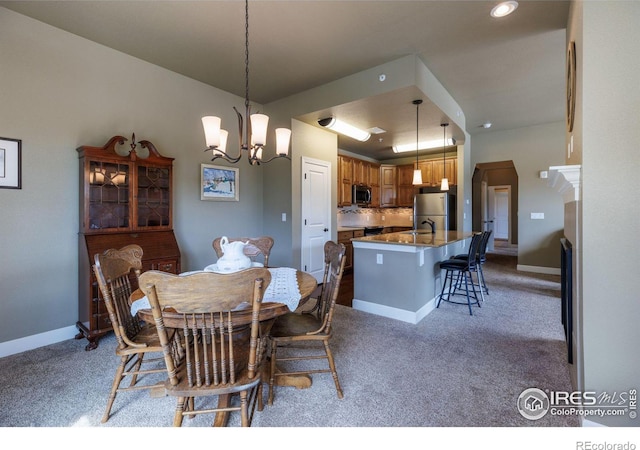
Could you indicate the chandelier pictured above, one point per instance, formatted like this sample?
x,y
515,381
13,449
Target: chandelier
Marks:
x,y
252,128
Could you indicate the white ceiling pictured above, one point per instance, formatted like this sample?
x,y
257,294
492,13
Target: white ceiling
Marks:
x,y
508,71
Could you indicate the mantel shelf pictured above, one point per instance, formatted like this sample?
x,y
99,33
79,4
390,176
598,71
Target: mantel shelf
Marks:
x,y
566,180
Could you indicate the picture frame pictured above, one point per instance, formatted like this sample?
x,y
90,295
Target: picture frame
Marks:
x,y
219,183
10,163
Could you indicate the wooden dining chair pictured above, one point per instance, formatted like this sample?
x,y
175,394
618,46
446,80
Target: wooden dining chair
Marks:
x,y
257,248
221,357
310,328
115,270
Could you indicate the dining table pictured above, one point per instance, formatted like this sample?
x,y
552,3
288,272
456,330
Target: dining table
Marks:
x,y
289,289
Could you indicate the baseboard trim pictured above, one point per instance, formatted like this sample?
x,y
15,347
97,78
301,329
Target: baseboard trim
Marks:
x,y
37,340
395,313
539,269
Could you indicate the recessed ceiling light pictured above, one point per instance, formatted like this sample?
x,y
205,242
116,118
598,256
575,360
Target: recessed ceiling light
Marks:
x,y
486,125
504,9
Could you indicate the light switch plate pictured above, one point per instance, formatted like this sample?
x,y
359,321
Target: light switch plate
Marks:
x,y
537,216
379,258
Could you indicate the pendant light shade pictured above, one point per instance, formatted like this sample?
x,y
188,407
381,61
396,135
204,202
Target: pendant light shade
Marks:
x,y
417,173
444,184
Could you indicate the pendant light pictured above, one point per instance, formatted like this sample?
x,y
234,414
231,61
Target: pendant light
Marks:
x,y
444,185
417,173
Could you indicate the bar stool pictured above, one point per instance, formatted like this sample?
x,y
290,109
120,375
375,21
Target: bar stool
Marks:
x,y
481,258
459,270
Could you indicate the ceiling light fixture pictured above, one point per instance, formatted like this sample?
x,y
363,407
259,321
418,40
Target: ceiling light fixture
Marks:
x,y
424,145
417,173
344,128
504,9
252,128
444,185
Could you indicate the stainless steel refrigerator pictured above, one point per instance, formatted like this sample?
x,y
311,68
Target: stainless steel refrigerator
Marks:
x,y
438,208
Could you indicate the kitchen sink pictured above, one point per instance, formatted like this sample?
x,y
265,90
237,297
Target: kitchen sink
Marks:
x,y
414,232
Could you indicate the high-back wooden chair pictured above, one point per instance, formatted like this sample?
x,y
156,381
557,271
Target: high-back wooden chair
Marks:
x,y
114,270
221,356
309,328
256,249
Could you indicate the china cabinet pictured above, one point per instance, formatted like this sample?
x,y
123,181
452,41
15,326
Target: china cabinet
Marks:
x,y
125,198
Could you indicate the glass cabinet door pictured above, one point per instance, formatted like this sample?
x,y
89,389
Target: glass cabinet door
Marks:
x,y
109,195
154,196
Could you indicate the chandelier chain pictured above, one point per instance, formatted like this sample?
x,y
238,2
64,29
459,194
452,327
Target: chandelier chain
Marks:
x,y
246,54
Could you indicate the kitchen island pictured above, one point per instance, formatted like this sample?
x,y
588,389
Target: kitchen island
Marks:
x,y
397,275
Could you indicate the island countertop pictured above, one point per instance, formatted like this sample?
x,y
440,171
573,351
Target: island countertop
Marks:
x,y
419,238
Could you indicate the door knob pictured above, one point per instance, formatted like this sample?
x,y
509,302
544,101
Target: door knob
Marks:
x,y
326,229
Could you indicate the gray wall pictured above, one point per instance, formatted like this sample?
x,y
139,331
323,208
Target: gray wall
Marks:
x,y
531,149
60,91
605,137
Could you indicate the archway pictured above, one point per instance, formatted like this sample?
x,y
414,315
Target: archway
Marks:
x,y
489,178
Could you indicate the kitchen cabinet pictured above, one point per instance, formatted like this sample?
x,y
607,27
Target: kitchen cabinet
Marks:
x,y
406,189
388,187
345,180
344,237
361,172
124,199
374,183
447,168
356,171
432,171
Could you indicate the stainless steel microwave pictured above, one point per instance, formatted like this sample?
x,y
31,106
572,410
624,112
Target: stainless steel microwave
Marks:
x,y
361,195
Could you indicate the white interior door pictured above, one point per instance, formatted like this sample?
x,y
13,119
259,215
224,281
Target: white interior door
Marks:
x,y
316,214
501,229
487,213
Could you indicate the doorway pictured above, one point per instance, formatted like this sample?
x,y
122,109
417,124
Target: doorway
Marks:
x,y
495,204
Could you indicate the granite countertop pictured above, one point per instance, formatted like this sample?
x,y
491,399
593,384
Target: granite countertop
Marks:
x,y
420,239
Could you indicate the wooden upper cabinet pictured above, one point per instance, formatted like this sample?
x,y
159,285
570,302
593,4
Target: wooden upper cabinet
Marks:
x,y
432,171
406,189
388,187
426,168
447,167
345,180
374,174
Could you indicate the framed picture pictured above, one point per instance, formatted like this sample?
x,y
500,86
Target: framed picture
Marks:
x,y
10,163
219,183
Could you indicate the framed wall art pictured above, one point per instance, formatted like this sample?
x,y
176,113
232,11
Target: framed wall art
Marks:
x,y
219,183
10,163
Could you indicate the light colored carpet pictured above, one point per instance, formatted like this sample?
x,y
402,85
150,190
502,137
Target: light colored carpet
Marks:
x,y
450,370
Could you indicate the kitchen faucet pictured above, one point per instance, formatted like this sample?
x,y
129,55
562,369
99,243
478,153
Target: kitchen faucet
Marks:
x,y
431,223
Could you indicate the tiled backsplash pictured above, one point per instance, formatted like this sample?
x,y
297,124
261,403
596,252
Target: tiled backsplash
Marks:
x,y
388,217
